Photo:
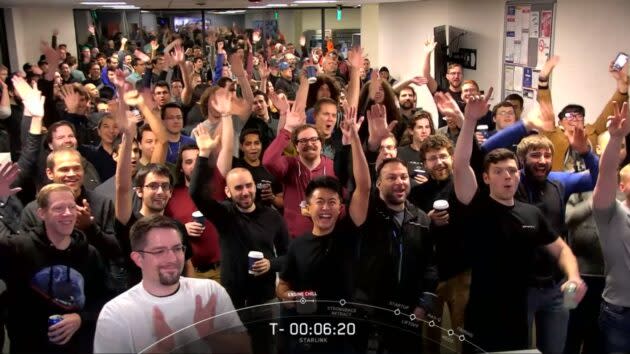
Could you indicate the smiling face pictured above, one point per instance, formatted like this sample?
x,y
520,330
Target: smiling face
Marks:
x,y
407,99
164,269
241,188
155,200
504,117
63,137
108,130
67,169
393,184
324,207
60,215
538,163
439,164
309,146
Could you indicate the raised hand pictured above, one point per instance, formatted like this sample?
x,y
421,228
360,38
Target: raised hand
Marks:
x,y
447,106
205,141
222,101
280,102
31,97
133,98
141,55
71,98
578,140
621,76
350,125
263,68
154,45
8,174
533,120
203,318
302,41
548,67
429,45
92,29
236,61
294,118
619,124
375,81
355,57
178,54
477,106
419,80
52,56
377,125
84,216
120,80
55,32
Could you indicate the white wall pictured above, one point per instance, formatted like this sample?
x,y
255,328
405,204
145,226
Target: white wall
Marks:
x,y
586,44
26,27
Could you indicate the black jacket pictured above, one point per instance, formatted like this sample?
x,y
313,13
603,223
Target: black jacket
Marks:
x,y
384,278
43,281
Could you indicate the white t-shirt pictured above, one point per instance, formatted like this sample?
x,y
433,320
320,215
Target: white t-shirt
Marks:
x,y
125,325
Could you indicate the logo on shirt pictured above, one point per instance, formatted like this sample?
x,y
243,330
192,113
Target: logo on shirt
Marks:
x,y
529,227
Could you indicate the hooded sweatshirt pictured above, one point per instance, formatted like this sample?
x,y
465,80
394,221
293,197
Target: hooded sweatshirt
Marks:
x,y
43,281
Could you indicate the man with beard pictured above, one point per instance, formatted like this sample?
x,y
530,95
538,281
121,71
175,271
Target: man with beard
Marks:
x,y
165,303
504,256
243,226
263,120
153,185
455,77
295,172
407,100
420,128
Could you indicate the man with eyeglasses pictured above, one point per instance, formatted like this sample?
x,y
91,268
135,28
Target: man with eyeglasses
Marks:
x,y
154,314
173,119
50,270
506,247
295,172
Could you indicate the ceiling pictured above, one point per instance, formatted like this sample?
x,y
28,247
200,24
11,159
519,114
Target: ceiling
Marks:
x,y
189,4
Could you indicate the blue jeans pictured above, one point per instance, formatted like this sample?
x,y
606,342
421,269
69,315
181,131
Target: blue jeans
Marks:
x,y
546,306
614,322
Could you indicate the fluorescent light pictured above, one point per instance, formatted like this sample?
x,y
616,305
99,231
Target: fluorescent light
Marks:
x,y
102,3
277,5
315,2
257,7
120,7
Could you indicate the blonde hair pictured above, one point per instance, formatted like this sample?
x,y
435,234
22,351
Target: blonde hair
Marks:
x,y
43,197
532,142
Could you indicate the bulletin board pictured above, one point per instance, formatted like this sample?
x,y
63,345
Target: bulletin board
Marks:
x,y
528,39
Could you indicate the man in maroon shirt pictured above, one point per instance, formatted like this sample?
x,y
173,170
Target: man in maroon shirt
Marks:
x,y
204,238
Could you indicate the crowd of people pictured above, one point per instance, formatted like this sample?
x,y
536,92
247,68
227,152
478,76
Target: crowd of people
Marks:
x,y
146,172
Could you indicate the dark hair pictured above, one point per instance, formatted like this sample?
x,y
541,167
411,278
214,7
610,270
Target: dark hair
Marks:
x,y
496,156
179,175
301,128
408,87
144,128
260,93
118,141
101,55
156,169
247,132
222,82
387,161
206,96
70,60
105,116
323,182
53,127
321,102
141,228
135,62
435,142
161,83
502,104
311,99
572,108
170,105
515,97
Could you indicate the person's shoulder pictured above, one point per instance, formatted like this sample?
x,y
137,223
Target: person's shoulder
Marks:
x,y
97,197
117,306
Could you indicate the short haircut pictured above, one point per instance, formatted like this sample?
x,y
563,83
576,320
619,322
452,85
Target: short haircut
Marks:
x,y
422,115
387,161
104,117
156,169
170,105
70,60
249,131
50,159
323,182
408,87
572,108
206,96
301,128
136,61
118,141
161,83
321,102
535,141
624,173
101,55
496,156
435,142
53,128
43,197
224,81
501,105
453,65
141,228
471,82
260,93
515,97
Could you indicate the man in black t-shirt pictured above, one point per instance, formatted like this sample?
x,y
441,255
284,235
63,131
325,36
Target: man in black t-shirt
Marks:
x,y
505,235
455,78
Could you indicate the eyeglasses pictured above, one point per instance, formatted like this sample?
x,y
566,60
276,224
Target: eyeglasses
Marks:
x,y
154,186
161,252
308,140
573,116
63,208
442,157
503,114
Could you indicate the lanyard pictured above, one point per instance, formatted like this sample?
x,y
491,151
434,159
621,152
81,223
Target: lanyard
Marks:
x,y
400,254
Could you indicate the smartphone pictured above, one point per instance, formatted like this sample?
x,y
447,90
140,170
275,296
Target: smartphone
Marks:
x,y
620,61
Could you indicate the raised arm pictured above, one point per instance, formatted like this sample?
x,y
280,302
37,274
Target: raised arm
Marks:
x,y
236,62
274,160
425,63
222,103
5,104
620,95
544,94
134,98
180,60
606,187
355,59
123,178
465,181
360,197
377,126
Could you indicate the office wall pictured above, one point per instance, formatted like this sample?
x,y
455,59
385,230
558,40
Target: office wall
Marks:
x,y
26,27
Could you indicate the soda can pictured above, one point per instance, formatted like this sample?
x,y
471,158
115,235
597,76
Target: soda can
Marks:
x,y
54,319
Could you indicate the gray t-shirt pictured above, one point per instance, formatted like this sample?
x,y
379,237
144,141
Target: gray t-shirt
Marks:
x,y
613,224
